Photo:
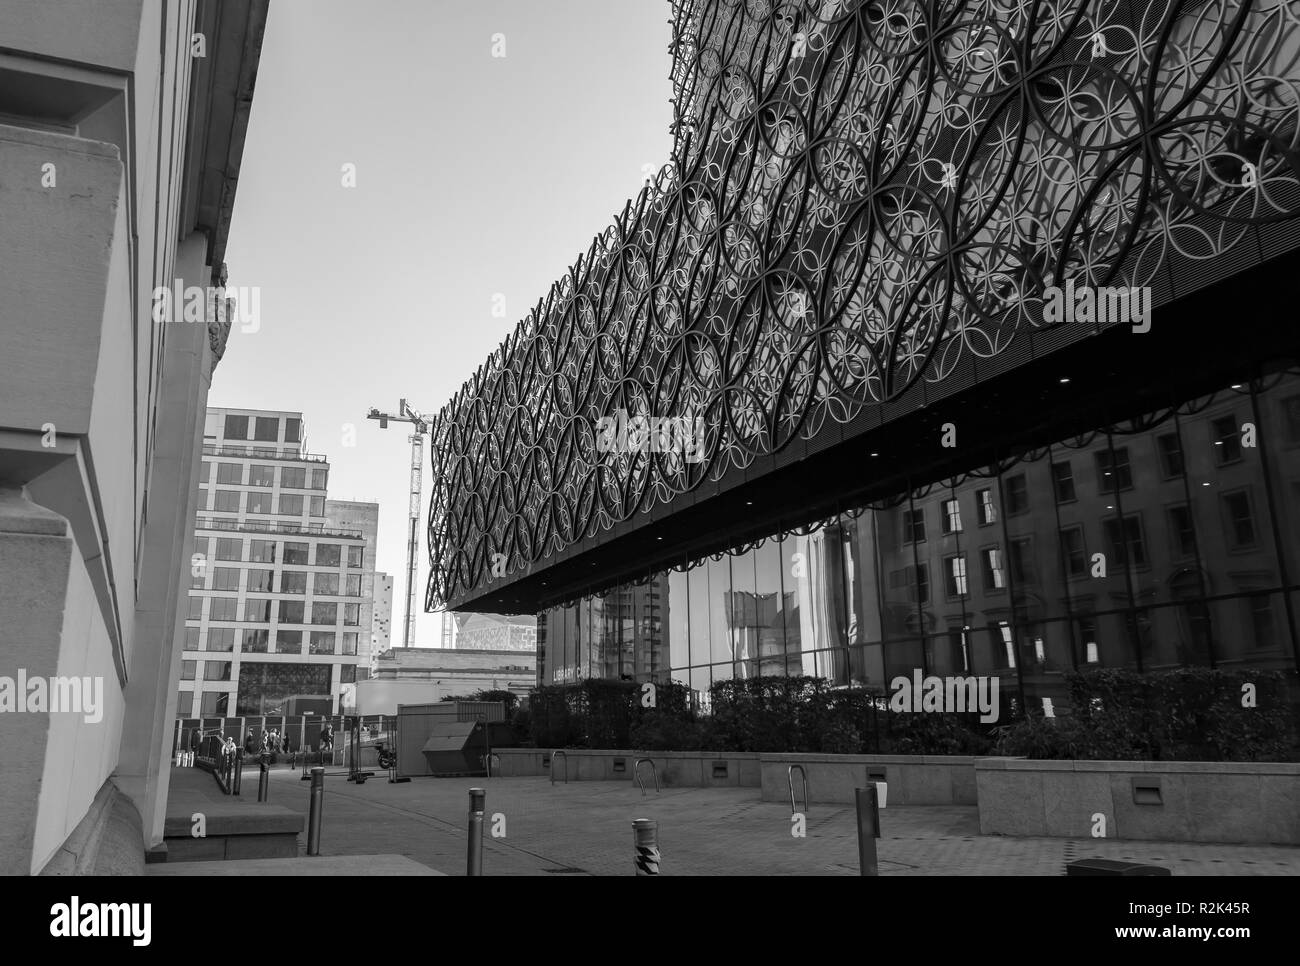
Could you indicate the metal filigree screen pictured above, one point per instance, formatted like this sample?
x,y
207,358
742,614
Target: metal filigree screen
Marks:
x,y
860,195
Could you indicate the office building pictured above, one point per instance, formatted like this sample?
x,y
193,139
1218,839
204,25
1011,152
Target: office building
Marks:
x,y
495,632
381,625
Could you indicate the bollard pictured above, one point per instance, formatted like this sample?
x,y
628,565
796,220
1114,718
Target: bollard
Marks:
x,y
237,774
868,829
314,814
474,852
645,839
263,780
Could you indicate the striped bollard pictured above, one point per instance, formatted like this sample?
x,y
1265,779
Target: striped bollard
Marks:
x,y
645,835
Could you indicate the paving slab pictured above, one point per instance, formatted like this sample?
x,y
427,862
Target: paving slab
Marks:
x,y
303,865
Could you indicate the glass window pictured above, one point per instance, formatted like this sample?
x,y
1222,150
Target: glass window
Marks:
x,y
223,609
329,554
187,670
322,642
290,505
292,430
1227,442
261,551
266,429
1017,494
351,614
1063,481
230,473
326,585
216,670
293,478
1113,470
255,641
1171,455
288,642
1074,553
353,585
225,578
257,609
204,469
1260,620
296,553
318,478
913,526
226,501
293,582
1182,536
261,580
324,613
349,642
236,427
191,638
259,502
994,578
196,608
261,475
317,506
988,512
291,612
221,639
230,548
951,521
916,581
347,673
954,571
355,555
184,704
1123,532
215,704
1239,520
1020,557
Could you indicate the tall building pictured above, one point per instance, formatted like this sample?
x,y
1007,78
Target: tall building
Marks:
x,y
949,335
120,152
381,625
352,514
495,632
280,580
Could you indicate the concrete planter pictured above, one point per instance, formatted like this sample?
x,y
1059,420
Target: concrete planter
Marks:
x,y
1191,801
682,769
911,779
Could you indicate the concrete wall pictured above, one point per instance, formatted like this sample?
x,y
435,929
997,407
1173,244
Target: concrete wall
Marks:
x,y
911,779
680,769
1198,801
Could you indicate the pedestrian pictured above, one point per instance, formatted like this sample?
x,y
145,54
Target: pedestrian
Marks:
x,y
326,741
250,743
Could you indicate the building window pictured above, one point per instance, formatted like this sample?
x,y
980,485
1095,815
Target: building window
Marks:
x,y
292,430
1063,481
225,578
988,512
1003,632
290,506
1087,628
355,555
1113,470
913,526
215,704
187,670
916,580
257,610
261,551
261,581
354,584
326,585
1227,442
293,582
203,471
318,478
994,579
1124,538
351,615
221,639
954,573
322,642
1074,554
323,612
230,473
296,553
347,674
184,704
223,609
259,502
255,641
191,638
1182,535
236,427
1259,614
216,670
1020,557
288,642
349,642
293,478
226,501
1171,455
1017,494
317,506
261,475
198,581
291,612
266,429
229,548
951,521
329,554
1239,520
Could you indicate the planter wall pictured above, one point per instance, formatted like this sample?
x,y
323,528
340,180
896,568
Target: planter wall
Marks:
x,y
912,779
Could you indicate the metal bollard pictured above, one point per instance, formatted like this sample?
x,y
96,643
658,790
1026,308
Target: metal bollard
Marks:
x,y
645,839
474,852
237,774
313,816
868,829
263,780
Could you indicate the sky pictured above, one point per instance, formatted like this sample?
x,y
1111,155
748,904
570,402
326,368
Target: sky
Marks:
x,y
478,181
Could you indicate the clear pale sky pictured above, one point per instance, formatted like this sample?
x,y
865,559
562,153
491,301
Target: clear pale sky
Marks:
x,y
475,176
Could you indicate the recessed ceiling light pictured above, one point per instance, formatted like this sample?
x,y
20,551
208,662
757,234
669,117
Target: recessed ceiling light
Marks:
x,y
875,454
1064,380
1205,484
1236,385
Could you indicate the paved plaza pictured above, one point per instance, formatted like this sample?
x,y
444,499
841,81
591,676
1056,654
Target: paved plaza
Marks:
x,y
585,828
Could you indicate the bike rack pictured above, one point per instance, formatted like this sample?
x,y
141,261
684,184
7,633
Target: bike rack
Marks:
x,y
559,754
789,777
636,771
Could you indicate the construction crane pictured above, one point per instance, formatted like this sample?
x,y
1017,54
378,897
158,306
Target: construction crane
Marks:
x,y
421,426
